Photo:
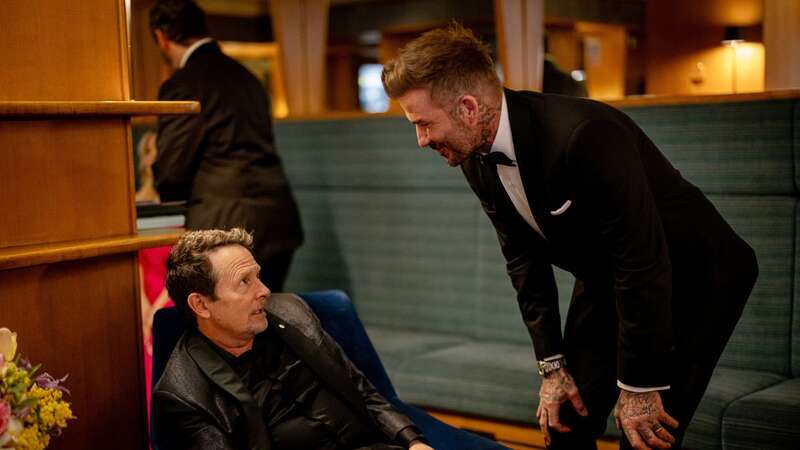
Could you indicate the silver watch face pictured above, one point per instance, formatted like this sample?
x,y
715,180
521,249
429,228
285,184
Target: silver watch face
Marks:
x,y
546,367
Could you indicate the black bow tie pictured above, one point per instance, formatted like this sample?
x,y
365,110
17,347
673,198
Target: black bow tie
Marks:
x,y
493,159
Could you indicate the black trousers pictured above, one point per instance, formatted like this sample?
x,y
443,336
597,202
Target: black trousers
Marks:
x,y
711,283
275,269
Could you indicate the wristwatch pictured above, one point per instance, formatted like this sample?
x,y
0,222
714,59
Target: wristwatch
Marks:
x,y
547,367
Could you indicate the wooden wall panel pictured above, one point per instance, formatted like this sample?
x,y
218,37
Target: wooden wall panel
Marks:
x,y
52,49
604,58
64,180
66,190
78,318
782,43
685,54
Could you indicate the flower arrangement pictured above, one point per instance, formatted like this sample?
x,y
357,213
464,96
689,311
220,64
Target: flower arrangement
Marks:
x,y
32,408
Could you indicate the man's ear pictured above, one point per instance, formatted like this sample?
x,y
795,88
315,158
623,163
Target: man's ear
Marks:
x,y
469,109
198,304
162,40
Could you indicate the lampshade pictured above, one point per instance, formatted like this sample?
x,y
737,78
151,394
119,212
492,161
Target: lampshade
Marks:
x,y
733,35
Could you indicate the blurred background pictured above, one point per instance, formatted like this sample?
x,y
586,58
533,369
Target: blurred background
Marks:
x,y
318,56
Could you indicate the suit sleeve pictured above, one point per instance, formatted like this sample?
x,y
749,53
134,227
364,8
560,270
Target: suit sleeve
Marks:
x,y
606,159
391,422
179,139
532,276
183,427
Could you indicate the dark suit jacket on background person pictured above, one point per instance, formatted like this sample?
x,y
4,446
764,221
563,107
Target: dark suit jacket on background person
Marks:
x,y
649,251
199,402
223,160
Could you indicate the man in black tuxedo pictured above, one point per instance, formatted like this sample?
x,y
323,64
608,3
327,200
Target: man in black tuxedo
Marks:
x,y
661,277
223,160
257,371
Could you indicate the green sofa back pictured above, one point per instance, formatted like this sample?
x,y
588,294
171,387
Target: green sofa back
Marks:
x,y
403,234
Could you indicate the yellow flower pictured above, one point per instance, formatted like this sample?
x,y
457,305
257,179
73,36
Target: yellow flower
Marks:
x,y
53,411
31,438
8,344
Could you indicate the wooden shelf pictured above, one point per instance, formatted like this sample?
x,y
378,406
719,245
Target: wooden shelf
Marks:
x,y
632,101
653,100
37,109
34,255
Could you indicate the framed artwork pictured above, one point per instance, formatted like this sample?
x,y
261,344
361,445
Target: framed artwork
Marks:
x,y
264,60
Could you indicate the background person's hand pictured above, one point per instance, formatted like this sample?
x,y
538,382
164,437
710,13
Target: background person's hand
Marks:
x,y
557,388
641,416
419,446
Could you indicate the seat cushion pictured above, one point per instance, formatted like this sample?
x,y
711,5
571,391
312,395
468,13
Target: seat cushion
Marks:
x,y
767,419
398,345
762,338
488,379
727,386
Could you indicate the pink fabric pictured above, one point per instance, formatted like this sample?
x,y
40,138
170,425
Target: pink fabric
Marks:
x,y
153,267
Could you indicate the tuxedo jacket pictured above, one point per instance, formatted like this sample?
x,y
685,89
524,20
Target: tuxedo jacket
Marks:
x,y
611,208
200,402
223,161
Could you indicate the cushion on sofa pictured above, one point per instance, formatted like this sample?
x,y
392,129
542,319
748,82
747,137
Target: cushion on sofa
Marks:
x,y
397,345
365,153
769,418
796,300
730,148
727,386
490,379
761,339
406,260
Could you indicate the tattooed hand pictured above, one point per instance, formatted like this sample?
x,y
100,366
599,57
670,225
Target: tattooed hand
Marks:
x,y
640,415
557,387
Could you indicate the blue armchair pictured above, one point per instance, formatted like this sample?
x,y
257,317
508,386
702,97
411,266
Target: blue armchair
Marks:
x,y
339,319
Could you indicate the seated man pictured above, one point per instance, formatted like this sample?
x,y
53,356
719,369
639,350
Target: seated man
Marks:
x,y
232,382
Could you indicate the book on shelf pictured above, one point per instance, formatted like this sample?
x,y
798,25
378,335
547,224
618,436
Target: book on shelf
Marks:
x,y
150,215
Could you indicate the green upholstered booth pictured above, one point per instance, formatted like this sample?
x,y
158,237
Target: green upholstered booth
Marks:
x,y
403,234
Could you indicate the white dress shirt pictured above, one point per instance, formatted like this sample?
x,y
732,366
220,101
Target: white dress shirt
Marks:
x,y
512,182
509,175
192,48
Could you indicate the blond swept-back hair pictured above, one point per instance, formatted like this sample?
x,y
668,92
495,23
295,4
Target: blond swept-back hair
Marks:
x,y
189,268
448,61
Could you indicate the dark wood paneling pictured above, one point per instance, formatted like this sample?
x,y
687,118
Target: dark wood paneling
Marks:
x,y
63,50
79,318
64,180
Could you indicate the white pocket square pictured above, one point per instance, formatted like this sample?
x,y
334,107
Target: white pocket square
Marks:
x,y
563,208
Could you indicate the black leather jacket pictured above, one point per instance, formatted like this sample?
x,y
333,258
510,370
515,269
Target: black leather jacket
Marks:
x,y
200,403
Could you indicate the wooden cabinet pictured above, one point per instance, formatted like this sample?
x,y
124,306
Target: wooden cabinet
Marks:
x,y
68,240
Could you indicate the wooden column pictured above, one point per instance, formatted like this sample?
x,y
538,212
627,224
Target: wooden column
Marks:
x,y
301,29
782,44
520,29
68,240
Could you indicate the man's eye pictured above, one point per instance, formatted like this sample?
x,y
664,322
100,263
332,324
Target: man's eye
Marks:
x,y
244,281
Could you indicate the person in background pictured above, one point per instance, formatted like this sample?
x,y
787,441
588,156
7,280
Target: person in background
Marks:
x,y
146,153
223,161
255,370
555,80
662,279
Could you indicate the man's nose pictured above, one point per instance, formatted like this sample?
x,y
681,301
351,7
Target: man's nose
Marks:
x,y
266,290
422,137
